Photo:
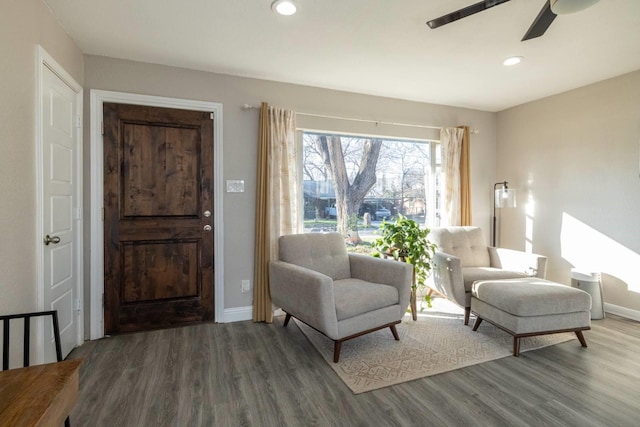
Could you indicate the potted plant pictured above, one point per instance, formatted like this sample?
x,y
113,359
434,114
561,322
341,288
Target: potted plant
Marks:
x,y
405,241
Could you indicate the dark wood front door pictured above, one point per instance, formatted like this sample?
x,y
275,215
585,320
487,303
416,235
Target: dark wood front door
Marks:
x,y
158,217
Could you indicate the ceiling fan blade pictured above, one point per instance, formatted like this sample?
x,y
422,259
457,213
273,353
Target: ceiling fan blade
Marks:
x,y
541,23
464,12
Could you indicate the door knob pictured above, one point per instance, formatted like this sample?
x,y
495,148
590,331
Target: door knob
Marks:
x,y
207,227
48,239
207,214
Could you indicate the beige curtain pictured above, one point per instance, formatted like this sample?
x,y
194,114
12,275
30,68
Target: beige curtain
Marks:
x,y
276,198
465,178
451,141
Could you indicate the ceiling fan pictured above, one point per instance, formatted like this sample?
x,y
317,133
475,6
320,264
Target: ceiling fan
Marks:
x,y
549,11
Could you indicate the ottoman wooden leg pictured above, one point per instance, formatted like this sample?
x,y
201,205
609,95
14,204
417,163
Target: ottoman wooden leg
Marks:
x,y
286,320
516,346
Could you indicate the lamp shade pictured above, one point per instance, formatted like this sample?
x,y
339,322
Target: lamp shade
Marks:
x,y
563,7
505,198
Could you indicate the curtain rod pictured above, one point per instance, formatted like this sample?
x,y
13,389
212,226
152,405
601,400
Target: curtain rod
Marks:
x,y
377,122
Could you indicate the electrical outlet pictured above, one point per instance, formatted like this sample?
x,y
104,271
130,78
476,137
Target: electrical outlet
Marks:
x,y
246,286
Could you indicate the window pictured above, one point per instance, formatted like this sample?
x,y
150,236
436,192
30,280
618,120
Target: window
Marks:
x,y
352,183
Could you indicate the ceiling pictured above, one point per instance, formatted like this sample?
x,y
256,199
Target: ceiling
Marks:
x,y
377,47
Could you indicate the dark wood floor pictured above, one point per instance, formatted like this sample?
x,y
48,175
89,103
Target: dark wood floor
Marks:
x,y
246,374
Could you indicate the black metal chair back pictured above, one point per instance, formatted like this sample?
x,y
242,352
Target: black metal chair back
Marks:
x,y
6,324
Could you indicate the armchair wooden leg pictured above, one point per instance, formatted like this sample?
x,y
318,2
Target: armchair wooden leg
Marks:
x,y
467,313
477,323
394,331
286,320
583,342
336,351
337,344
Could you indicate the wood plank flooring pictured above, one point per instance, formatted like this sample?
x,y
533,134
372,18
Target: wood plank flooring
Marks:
x,y
246,374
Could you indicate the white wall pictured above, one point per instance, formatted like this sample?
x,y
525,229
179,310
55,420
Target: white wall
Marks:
x,y
23,25
576,157
241,136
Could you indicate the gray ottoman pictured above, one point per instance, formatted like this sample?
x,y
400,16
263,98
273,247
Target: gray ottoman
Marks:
x,y
531,306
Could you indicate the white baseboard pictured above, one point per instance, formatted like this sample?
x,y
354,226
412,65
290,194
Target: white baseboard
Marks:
x,y
622,311
238,314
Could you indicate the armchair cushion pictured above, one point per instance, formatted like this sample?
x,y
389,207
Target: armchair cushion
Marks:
x,y
355,296
389,272
472,274
466,243
324,253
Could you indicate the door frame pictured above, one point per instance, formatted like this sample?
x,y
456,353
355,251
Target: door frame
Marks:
x,y
46,60
97,99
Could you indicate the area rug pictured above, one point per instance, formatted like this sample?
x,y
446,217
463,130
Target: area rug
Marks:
x,y
437,342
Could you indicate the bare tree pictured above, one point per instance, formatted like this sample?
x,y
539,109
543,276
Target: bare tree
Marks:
x,y
407,159
350,193
415,157
312,162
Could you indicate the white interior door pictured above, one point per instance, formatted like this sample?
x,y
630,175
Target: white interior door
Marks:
x,y
61,212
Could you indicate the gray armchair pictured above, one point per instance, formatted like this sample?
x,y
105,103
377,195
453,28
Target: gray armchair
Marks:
x,y
463,257
339,294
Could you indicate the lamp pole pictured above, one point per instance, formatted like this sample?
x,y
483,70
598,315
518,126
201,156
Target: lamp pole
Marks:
x,y
495,187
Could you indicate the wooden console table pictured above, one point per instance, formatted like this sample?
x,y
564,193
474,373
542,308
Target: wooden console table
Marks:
x,y
41,395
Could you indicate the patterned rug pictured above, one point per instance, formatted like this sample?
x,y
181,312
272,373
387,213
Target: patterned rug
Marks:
x,y
437,342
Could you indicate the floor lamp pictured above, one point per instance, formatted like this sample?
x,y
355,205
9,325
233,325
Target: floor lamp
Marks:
x,y
503,197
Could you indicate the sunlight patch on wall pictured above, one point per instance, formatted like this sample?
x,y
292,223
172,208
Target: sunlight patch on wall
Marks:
x,y
529,216
584,247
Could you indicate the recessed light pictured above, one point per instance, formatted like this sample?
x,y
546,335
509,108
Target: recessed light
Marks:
x,y
284,7
512,60
561,7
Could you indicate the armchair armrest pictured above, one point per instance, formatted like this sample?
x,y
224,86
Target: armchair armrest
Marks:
x,y
385,271
447,277
305,294
509,259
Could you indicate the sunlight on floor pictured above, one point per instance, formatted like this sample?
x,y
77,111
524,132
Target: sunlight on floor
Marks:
x,y
441,308
587,248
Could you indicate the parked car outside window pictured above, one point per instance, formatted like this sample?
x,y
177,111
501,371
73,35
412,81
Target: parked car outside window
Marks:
x,y
381,214
330,212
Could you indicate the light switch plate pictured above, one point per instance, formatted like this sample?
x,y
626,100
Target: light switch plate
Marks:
x,y
235,186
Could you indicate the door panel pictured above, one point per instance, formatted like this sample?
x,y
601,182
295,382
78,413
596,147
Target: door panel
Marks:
x,y
160,270
60,181
158,176
160,181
